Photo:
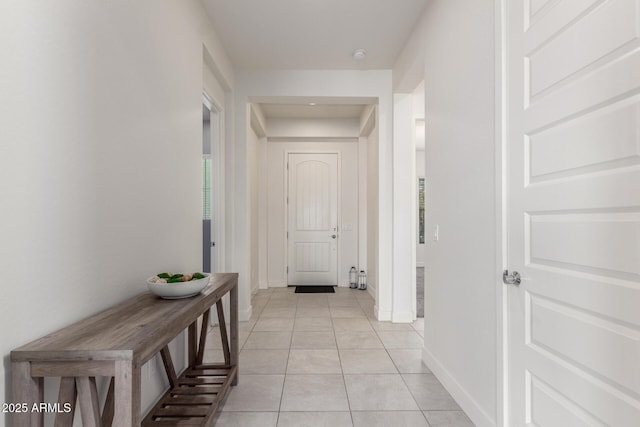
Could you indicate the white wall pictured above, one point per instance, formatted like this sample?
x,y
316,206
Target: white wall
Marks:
x,y
348,193
313,128
263,248
404,255
101,133
257,152
372,202
256,85
254,247
456,41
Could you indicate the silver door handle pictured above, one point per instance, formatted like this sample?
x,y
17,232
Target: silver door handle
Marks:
x,y
511,279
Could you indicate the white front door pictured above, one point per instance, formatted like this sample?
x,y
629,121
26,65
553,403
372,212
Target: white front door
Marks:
x,y
573,145
312,219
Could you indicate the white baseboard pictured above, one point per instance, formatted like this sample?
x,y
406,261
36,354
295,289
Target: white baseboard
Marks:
x,y
468,404
372,291
245,315
263,284
382,316
403,317
277,284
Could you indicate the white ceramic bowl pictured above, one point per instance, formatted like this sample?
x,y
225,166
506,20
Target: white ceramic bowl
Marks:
x,y
180,289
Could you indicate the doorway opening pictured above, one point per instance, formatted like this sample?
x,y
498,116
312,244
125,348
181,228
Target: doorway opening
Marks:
x,y
420,214
211,137
420,198
292,126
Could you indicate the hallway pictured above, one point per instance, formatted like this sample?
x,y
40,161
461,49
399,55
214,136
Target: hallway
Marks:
x,y
323,360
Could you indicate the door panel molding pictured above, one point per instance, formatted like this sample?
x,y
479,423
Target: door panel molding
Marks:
x,y
569,121
307,266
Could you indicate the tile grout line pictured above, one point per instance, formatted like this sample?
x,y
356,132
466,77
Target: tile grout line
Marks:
x,y
344,381
286,369
370,322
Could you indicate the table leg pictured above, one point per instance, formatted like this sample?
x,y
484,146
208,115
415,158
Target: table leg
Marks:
x,y
127,389
223,333
88,401
67,395
26,390
203,337
192,342
108,411
169,367
233,329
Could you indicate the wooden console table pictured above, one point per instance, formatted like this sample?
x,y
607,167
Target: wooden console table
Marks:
x,y
116,343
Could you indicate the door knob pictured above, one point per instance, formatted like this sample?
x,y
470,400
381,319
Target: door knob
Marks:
x,y
333,236
511,279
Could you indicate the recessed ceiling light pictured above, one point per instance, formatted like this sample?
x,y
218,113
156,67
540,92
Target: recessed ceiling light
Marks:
x,y
359,54
312,103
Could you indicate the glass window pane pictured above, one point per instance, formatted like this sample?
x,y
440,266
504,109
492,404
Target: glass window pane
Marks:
x,y
206,189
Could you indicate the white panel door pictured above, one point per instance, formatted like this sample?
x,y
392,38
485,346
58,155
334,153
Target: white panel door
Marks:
x,y
573,151
312,219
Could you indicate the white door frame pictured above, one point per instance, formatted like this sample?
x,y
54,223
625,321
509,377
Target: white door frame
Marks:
x,y
286,208
218,185
500,126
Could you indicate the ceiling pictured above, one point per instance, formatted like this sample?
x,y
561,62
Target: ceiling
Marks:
x,y
319,111
313,34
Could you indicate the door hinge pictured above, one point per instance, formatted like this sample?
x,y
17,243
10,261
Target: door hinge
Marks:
x,y
287,235
287,269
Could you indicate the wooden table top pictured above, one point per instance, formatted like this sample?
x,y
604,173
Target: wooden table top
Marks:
x,y
133,330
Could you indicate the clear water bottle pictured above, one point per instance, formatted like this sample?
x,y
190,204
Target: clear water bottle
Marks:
x,y
353,278
362,280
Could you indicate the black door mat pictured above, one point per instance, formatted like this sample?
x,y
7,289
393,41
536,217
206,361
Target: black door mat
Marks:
x,y
315,290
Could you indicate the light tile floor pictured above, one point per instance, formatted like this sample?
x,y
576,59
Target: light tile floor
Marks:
x,y
311,360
